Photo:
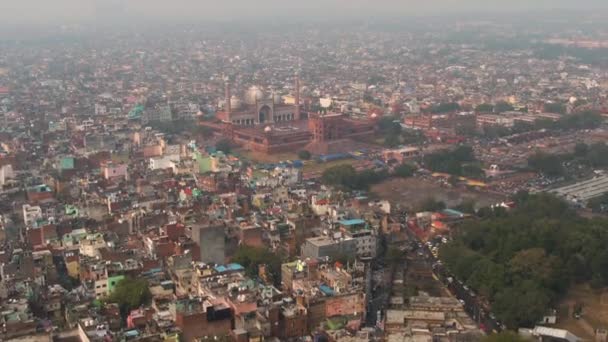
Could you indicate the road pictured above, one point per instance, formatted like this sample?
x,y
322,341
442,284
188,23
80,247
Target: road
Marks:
x,y
379,293
474,307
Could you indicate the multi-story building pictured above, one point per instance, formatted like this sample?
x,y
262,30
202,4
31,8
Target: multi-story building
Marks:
x,y
211,240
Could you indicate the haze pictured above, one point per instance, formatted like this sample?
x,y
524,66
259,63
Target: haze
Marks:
x,y
39,12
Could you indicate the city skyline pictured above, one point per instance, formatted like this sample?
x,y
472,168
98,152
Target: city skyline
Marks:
x,y
35,13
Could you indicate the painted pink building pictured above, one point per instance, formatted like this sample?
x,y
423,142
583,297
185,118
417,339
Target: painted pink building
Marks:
x,y
114,171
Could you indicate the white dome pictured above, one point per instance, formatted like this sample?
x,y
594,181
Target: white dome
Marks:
x,y
235,102
253,94
374,115
268,129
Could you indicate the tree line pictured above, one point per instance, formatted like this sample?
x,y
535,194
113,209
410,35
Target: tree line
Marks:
x,y
524,261
460,161
346,177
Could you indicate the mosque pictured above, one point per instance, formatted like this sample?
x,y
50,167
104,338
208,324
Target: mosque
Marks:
x,y
264,123
256,108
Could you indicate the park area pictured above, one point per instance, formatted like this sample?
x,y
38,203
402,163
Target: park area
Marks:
x,y
413,192
593,306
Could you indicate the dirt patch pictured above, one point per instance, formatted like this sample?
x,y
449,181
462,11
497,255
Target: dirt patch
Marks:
x,y
411,192
261,157
594,311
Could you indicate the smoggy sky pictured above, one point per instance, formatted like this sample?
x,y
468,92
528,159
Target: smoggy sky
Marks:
x,y
41,12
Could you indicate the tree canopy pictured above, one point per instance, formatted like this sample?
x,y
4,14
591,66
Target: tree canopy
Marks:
x,y
505,336
130,294
459,161
345,176
252,257
555,107
547,164
524,261
224,145
484,108
304,155
599,204
404,170
445,107
503,106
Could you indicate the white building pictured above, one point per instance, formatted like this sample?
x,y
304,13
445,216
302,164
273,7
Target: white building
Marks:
x,y
31,214
6,172
165,162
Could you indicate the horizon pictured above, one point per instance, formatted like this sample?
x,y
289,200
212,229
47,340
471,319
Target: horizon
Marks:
x,y
31,14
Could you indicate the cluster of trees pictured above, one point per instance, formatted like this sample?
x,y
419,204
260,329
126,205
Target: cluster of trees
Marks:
x,y
525,260
554,107
555,51
304,155
583,120
346,177
599,204
404,170
394,135
224,145
445,107
131,293
548,164
499,107
459,162
251,258
553,164
595,155
505,336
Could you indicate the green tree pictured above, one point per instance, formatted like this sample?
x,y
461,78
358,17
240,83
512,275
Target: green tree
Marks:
x,y
389,124
404,170
597,156
505,336
304,155
203,131
484,108
599,204
524,260
130,294
555,107
583,120
252,257
224,145
521,127
412,137
503,106
522,304
581,150
392,140
452,161
445,107
345,176
339,175
548,164
467,206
